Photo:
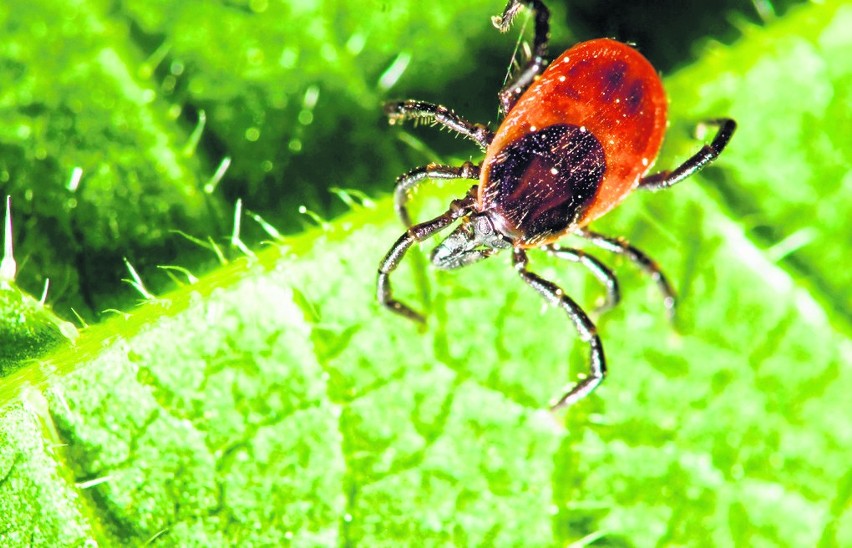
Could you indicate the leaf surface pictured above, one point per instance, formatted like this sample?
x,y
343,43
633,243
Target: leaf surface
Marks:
x,y
272,402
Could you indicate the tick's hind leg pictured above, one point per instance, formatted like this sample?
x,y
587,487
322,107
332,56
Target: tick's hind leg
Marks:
x,y
585,328
622,247
707,154
399,111
598,270
407,182
537,61
417,233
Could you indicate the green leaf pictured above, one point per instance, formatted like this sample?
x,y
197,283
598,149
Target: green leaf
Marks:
x,y
27,328
790,181
73,99
272,402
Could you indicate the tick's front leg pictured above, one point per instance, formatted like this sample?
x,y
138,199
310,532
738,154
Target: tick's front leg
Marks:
x,y
407,182
399,111
538,60
417,233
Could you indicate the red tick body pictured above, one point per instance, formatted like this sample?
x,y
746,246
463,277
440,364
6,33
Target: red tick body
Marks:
x,y
612,106
577,138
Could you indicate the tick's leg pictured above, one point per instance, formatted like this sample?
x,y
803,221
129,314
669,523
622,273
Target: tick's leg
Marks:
x,y
598,270
537,61
585,328
409,181
621,247
417,233
707,154
399,111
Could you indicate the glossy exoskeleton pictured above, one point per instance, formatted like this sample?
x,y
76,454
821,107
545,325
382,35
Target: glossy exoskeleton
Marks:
x,y
576,139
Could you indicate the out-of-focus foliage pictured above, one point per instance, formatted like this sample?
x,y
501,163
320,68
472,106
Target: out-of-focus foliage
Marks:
x,y
271,402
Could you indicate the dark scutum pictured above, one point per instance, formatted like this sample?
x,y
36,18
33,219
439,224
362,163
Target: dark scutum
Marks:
x,y
540,184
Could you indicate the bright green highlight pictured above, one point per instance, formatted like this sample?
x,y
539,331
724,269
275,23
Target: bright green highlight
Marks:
x,y
272,402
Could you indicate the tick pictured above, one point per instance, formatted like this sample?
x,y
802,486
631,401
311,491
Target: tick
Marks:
x,y
576,138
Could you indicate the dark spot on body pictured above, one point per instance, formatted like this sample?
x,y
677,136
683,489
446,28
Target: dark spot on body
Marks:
x,y
612,79
570,91
579,69
635,98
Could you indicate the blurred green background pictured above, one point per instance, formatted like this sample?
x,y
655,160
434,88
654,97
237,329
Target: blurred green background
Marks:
x,y
291,94
273,403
